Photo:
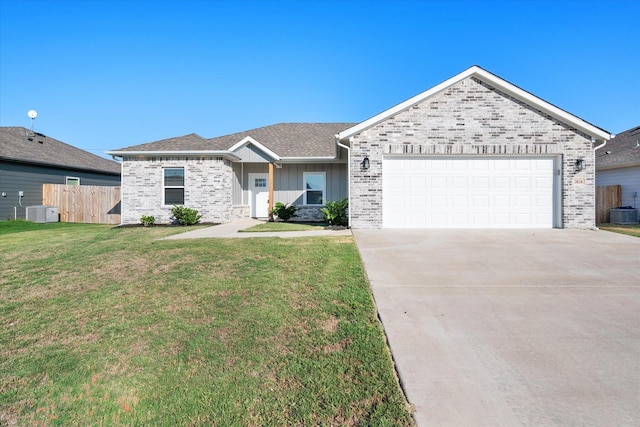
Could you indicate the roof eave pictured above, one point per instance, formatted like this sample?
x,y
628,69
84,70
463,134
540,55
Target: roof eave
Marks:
x,y
307,159
618,166
187,153
58,166
475,71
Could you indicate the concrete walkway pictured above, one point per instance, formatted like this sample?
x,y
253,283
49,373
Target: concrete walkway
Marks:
x,y
511,327
232,230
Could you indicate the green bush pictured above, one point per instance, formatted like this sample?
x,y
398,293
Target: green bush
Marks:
x,y
336,213
284,212
147,220
184,215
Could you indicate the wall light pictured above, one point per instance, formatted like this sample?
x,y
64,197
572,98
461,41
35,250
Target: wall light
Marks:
x,y
580,165
365,163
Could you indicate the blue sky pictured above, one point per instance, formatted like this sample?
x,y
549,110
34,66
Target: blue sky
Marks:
x,y
108,74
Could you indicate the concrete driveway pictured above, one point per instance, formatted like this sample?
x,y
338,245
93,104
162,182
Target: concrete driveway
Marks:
x,y
506,328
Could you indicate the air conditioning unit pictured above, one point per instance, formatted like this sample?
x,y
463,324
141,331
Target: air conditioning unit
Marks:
x,y
624,216
43,214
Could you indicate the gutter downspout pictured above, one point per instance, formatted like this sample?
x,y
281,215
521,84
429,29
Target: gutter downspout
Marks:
x,y
602,145
348,174
121,185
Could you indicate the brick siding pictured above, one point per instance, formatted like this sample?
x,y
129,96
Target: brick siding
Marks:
x,y
472,118
207,188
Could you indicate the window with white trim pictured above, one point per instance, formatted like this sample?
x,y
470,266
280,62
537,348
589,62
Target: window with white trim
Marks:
x,y
314,188
173,186
71,180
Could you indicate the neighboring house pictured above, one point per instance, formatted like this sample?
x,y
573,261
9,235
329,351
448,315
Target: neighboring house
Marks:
x,y
472,152
618,163
29,159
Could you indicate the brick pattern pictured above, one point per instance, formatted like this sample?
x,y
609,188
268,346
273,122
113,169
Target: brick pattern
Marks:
x,y
308,214
472,118
207,188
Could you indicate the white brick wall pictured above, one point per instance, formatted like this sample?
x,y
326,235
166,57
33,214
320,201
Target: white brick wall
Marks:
x,y
471,118
207,188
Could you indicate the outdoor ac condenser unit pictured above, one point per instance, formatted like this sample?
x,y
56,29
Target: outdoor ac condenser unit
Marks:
x,y
624,216
42,214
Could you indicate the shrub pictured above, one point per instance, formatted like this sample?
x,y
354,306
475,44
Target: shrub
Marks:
x,y
184,215
336,213
147,220
284,212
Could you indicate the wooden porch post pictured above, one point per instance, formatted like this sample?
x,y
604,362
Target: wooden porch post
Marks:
x,y
270,191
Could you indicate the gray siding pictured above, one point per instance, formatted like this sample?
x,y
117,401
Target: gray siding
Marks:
x,y
628,178
15,177
288,181
250,154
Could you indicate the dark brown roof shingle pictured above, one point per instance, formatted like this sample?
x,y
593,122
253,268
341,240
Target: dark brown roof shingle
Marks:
x,y
20,145
622,150
285,139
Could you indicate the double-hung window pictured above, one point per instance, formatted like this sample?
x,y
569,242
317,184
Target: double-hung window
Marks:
x,y
173,186
314,188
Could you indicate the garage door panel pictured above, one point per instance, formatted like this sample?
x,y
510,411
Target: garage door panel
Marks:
x,y
456,193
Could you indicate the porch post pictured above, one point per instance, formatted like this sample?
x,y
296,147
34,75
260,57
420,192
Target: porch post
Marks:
x,y
270,191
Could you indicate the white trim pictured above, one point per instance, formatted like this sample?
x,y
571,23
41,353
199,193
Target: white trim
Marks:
x,y
346,147
248,140
183,186
496,82
251,177
304,185
67,178
186,153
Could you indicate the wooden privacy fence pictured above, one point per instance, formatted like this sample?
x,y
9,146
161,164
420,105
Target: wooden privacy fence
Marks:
x,y
84,203
607,197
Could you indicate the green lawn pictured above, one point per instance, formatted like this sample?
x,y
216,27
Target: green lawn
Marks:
x,y
110,326
632,230
286,226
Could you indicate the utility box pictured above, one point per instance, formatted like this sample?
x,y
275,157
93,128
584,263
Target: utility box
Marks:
x,y
43,214
624,215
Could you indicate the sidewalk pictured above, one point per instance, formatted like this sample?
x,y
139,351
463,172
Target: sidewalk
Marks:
x,y
231,230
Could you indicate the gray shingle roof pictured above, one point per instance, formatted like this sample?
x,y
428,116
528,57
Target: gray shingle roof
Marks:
x,y
17,145
284,139
624,150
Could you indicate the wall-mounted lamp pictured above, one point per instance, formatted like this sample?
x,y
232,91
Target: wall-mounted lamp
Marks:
x,y
364,164
580,165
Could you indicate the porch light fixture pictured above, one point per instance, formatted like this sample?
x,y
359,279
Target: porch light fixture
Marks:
x,y
365,163
580,165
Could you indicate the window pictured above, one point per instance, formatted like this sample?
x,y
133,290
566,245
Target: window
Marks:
x,y
314,186
174,186
260,182
72,180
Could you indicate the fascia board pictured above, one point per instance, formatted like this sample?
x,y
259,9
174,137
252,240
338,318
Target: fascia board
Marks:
x,y
204,153
618,166
307,159
495,81
248,140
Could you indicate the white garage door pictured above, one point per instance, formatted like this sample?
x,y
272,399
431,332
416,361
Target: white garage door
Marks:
x,y
468,192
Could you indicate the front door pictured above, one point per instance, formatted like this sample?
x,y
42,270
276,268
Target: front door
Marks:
x,y
259,189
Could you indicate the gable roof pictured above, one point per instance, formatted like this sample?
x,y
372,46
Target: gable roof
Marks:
x,y
621,151
18,144
498,83
281,141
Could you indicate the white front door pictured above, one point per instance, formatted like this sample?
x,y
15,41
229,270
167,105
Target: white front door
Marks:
x,y
259,189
